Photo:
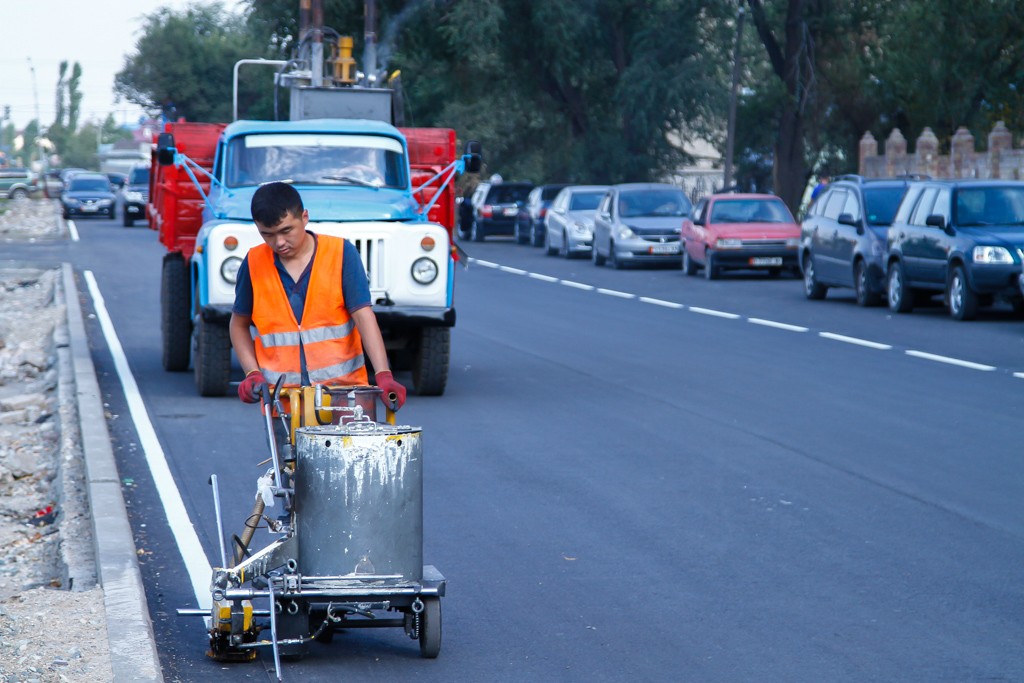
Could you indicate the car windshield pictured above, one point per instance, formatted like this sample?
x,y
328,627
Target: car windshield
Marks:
x,y
89,185
653,203
882,203
508,194
990,206
139,176
750,211
315,159
585,201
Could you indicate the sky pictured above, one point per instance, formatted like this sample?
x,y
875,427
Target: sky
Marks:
x,y
98,35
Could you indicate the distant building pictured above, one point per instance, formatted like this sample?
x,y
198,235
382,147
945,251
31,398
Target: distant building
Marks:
x,y
704,174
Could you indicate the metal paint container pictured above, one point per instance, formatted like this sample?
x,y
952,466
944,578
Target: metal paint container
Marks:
x,y
359,501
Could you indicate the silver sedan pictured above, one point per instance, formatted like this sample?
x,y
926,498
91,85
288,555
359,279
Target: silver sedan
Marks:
x,y
569,223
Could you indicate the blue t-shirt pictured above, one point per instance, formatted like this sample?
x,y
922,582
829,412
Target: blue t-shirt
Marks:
x,y
355,286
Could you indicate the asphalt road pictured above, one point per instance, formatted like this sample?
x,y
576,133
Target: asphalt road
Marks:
x,y
659,478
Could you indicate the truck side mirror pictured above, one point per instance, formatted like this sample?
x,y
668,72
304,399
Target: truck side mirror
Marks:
x,y
165,149
474,150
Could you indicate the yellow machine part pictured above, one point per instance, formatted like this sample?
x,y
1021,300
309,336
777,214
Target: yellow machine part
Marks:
x,y
222,616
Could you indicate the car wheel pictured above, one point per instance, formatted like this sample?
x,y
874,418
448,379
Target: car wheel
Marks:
x,y
901,299
613,260
521,236
563,251
537,235
476,233
548,249
862,286
20,193
596,256
689,267
963,301
812,288
710,268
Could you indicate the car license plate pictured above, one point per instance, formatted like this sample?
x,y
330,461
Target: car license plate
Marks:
x,y
766,261
665,249
88,207
511,212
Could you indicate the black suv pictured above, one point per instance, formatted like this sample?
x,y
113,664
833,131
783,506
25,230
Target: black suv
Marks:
x,y
963,238
134,195
843,237
530,228
497,208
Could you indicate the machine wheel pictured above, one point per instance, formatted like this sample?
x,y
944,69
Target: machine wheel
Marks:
x,y
865,295
901,298
175,323
595,255
710,269
689,267
212,359
963,301
430,366
430,627
475,233
812,288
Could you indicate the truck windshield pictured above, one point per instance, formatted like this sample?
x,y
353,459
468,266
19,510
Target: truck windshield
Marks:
x,y
315,159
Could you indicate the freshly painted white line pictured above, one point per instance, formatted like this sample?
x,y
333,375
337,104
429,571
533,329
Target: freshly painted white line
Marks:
x,y
1019,375
544,278
514,271
612,292
577,285
486,264
780,326
711,311
73,229
950,361
660,302
196,563
855,340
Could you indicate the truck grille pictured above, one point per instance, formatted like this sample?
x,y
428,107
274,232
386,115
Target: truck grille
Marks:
x,y
371,251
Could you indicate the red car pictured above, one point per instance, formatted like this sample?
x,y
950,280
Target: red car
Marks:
x,y
740,231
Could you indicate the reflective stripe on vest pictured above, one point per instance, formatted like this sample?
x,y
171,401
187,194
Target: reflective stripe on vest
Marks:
x,y
328,335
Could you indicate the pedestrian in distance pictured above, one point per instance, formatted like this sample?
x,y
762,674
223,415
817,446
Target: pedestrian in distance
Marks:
x,y
302,306
822,184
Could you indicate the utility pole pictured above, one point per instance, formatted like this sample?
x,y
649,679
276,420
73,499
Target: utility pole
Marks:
x,y
39,121
730,140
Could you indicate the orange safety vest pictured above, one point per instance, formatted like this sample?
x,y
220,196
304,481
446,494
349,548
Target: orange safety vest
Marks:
x,y
328,335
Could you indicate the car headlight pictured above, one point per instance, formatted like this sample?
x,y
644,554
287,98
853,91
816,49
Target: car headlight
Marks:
x,y
105,202
582,228
424,270
728,244
71,201
624,233
991,255
133,196
793,242
229,269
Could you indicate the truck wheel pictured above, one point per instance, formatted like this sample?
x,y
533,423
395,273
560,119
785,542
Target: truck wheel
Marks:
x,y
430,366
175,323
212,359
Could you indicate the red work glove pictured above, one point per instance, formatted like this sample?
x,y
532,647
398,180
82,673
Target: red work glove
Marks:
x,y
252,387
389,386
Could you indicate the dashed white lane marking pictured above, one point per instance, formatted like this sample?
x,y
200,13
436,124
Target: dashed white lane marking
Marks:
x,y
717,314
576,285
543,278
660,302
779,326
73,229
612,292
196,563
514,271
855,340
486,264
1019,375
950,361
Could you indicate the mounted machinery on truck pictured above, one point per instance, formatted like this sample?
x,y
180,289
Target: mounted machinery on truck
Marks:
x,y
386,189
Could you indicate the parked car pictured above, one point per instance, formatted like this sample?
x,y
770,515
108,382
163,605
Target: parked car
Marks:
x,y
52,184
117,180
17,183
88,194
843,237
133,196
740,231
569,222
496,208
962,238
639,223
530,227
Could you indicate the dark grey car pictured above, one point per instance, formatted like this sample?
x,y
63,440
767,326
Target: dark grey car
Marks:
x,y
639,223
134,195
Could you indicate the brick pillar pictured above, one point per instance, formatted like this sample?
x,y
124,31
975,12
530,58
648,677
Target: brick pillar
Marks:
x,y
998,140
962,152
895,153
926,153
868,148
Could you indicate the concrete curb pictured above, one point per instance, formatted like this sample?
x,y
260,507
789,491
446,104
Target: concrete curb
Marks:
x,y
133,653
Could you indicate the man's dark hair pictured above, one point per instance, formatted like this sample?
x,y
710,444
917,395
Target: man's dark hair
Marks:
x,y
273,201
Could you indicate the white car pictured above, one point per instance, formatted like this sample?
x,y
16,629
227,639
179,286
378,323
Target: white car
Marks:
x,y
569,222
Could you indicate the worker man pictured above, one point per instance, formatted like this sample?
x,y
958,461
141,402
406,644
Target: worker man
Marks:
x,y
302,306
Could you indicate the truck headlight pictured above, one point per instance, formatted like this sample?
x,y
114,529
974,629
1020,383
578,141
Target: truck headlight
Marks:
x,y
229,269
991,255
424,270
